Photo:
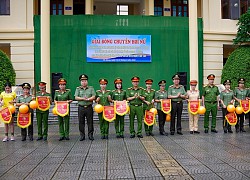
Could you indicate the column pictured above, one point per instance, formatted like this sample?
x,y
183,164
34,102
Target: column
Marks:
x,y
89,5
149,7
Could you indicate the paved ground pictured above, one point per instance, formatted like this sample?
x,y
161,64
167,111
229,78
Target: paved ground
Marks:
x,y
203,156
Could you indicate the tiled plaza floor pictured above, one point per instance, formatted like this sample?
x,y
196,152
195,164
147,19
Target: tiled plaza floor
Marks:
x,y
199,156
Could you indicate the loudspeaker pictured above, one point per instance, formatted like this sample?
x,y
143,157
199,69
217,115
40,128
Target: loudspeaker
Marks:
x,y
183,79
55,78
235,9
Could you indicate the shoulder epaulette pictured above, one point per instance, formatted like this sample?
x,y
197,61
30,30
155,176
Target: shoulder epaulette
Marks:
x,y
171,86
108,90
57,90
98,91
152,90
78,87
67,89
158,91
130,88
181,85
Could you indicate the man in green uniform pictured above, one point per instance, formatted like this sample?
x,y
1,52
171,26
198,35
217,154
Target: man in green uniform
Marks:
x,y
103,97
148,103
85,95
135,97
176,93
119,95
210,100
42,116
63,94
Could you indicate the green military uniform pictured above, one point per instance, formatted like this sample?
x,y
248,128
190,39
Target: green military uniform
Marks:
x,y
42,118
135,109
23,99
210,94
104,125
63,121
119,121
149,96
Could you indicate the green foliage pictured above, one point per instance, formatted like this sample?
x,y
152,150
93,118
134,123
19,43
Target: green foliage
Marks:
x,y
7,72
243,33
237,66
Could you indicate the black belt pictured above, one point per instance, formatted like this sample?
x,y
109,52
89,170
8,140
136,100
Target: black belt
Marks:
x,y
135,105
85,106
177,102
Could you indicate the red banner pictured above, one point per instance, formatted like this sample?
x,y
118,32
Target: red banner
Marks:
x,y
121,107
193,106
6,115
62,108
23,120
149,118
43,102
231,118
109,113
245,104
166,105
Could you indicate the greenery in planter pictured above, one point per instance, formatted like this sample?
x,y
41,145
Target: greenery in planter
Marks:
x,y
7,72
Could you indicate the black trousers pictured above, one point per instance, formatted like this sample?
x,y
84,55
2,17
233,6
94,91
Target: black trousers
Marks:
x,y
30,129
225,125
176,110
240,122
85,112
162,120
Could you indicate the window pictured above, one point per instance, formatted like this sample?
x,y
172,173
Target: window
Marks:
x,y
122,10
179,8
4,7
56,7
78,7
232,9
158,7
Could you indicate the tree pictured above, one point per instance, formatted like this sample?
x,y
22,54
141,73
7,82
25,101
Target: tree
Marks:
x,y
7,73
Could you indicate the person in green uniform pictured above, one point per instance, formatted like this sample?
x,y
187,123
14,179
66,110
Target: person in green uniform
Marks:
x,y
210,100
119,95
240,93
226,98
161,94
63,94
103,97
85,95
176,93
135,97
148,103
25,98
42,116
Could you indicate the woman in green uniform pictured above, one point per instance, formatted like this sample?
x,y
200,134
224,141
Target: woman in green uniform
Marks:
x,y
119,95
103,97
63,94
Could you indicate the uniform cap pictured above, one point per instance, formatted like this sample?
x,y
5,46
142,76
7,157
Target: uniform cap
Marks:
x,y
193,82
211,77
42,84
227,82
117,81
103,81
162,82
149,81
176,76
241,80
62,81
83,77
135,79
26,85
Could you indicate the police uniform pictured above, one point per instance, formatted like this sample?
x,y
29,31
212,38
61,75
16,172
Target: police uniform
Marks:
x,y
135,97
240,94
119,95
104,101
226,97
26,99
193,118
177,104
42,116
63,121
85,108
149,97
210,98
161,115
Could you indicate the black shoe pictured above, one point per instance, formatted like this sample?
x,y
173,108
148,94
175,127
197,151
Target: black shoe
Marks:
x,y
147,134
122,136
106,137
196,132
61,138
24,139
132,136
243,130
171,133
214,130
82,138
31,138
206,131
45,138
191,132
139,136
39,138
179,132
118,136
103,137
67,138
91,138
151,134
237,130
230,131
163,133
225,131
